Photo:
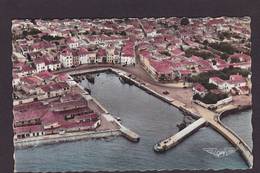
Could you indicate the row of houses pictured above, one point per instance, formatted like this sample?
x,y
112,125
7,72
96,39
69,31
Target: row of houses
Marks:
x,y
68,114
39,86
236,85
178,66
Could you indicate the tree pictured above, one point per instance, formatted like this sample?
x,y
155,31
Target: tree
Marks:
x,y
206,42
196,97
224,56
32,31
175,27
210,98
214,62
51,38
123,33
185,21
166,53
234,60
210,86
223,47
86,33
201,53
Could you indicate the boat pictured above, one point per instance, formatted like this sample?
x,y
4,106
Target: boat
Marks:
x,y
165,92
88,90
181,126
90,78
61,132
118,119
122,80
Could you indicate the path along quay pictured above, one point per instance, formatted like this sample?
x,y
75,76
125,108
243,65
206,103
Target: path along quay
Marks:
x,y
211,118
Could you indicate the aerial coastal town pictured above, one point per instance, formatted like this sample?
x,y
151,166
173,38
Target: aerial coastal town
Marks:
x,y
200,65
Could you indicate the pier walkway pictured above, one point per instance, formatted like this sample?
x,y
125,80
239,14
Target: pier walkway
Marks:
x,y
129,134
180,136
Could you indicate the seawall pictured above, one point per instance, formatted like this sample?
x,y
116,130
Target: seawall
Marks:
x,y
50,139
245,151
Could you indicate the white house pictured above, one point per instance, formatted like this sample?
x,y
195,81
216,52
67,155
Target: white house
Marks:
x,y
66,58
72,43
199,89
236,81
54,65
40,65
222,84
128,54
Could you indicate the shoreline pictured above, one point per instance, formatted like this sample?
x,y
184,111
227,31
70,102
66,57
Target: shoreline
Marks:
x,y
57,138
230,113
234,110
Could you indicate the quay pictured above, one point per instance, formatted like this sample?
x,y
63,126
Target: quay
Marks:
x,y
95,70
172,141
127,133
67,137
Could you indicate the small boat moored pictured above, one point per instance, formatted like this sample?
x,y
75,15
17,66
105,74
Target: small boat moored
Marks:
x,y
90,78
118,119
165,92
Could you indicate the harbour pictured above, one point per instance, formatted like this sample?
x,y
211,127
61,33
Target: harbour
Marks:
x,y
210,116
148,123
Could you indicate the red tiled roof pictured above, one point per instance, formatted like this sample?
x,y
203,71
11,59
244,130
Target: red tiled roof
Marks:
x,y
54,86
185,72
45,75
28,129
31,80
177,51
101,53
28,115
76,125
244,57
86,116
27,68
237,79
199,87
161,66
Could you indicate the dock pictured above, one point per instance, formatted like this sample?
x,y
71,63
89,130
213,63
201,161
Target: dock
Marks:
x,y
172,141
127,133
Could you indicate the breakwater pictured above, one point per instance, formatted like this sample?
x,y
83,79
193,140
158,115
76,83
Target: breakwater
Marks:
x,y
245,151
172,141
